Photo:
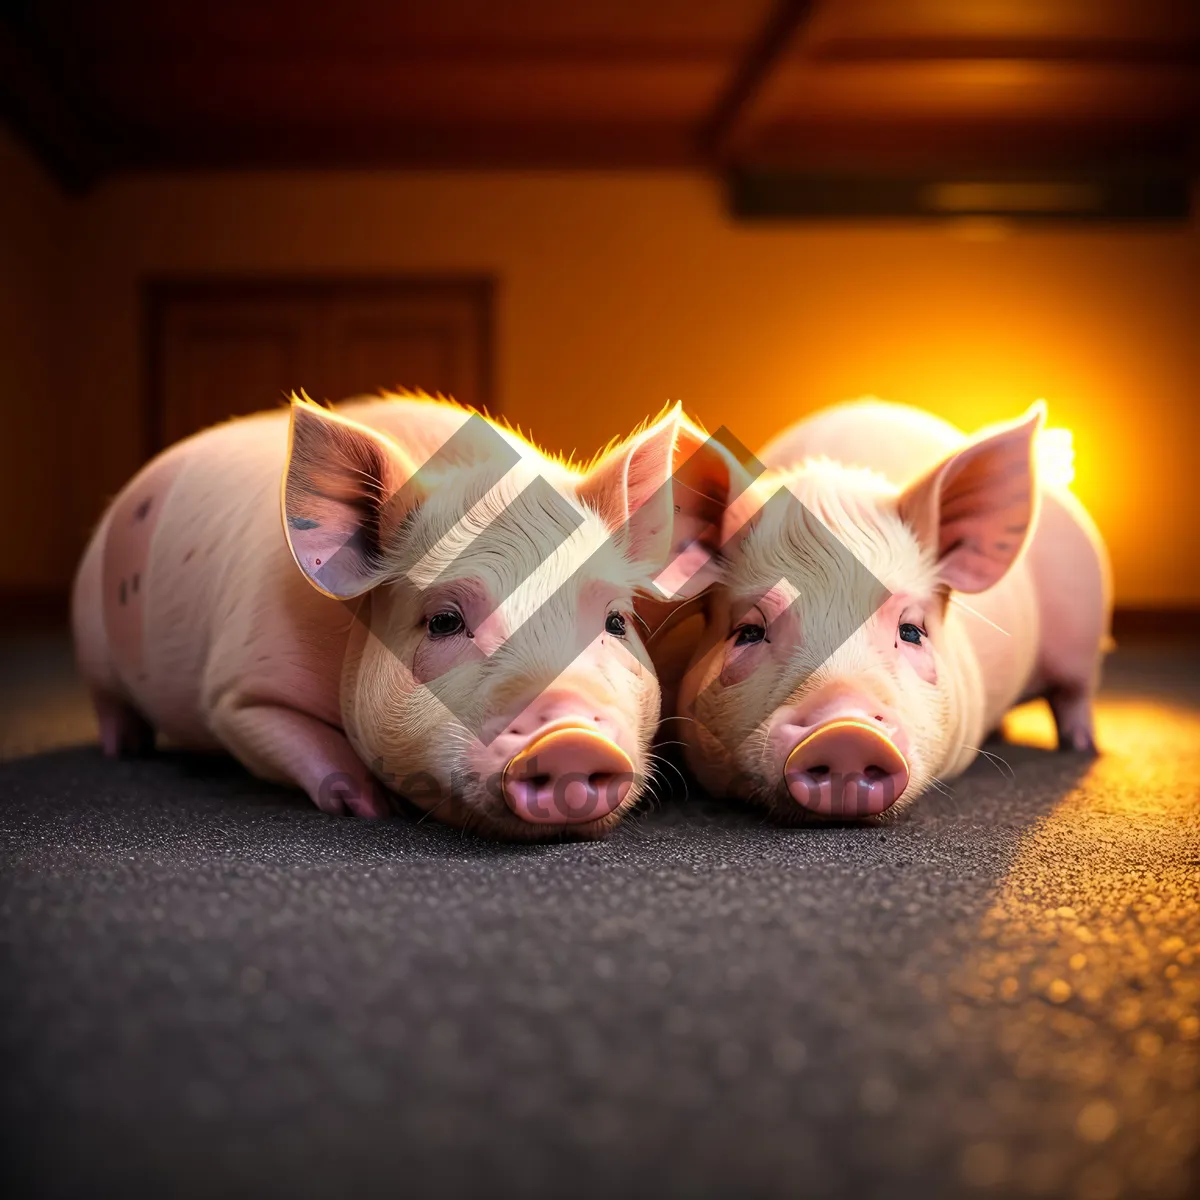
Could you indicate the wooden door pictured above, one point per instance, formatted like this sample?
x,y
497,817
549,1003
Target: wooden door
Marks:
x,y
225,348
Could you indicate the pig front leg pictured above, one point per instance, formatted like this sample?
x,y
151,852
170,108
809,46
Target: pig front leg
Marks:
x,y
1072,709
288,746
124,732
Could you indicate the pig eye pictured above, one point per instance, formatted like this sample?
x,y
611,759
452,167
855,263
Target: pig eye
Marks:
x,y
912,633
750,635
445,624
614,624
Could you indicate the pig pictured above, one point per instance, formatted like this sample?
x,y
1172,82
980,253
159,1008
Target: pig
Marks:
x,y
870,625
369,601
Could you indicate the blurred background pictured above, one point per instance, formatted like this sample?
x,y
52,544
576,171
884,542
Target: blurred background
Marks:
x,y
573,213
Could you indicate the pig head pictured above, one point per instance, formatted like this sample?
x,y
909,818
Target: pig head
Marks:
x,y
495,675
834,676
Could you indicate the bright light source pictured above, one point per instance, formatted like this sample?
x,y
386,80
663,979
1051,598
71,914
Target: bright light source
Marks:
x,y
1056,457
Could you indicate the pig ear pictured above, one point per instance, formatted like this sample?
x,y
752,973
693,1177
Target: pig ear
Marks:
x,y
976,507
345,489
708,479
630,487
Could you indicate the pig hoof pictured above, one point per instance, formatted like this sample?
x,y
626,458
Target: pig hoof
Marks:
x,y
1072,709
1079,742
341,793
373,807
124,733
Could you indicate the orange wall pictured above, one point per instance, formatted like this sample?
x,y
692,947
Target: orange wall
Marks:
x,y
620,292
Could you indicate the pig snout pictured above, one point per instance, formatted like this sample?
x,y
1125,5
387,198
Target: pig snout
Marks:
x,y
843,759
561,762
570,774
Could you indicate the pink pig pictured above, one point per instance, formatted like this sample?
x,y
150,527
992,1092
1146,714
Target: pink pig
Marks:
x,y
293,589
874,621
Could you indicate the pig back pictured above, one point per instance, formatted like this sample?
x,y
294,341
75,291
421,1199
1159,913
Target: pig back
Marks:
x,y
196,588
895,440
425,429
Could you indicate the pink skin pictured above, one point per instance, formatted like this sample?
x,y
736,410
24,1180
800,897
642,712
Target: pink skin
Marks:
x,y
1000,593
567,773
324,764
840,751
131,525
223,643
1057,613
846,768
572,780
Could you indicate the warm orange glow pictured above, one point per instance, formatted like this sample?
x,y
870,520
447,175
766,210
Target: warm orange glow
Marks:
x,y
621,291
1139,730
1081,931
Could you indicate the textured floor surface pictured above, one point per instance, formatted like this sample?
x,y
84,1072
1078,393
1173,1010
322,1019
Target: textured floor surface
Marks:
x,y
209,988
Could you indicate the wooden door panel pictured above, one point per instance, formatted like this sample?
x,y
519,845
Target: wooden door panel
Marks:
x,y
224,349
213,371
370,357
434,340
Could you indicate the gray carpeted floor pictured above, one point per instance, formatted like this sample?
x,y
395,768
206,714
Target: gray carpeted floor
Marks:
x,y
209,988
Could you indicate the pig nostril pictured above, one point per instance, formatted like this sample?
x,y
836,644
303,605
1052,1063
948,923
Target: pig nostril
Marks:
x,y
539,781
819,770
874,774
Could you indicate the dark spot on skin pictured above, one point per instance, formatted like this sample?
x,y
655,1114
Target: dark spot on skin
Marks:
x,y
1003,547
139,513
303,523
136,580
188,556
1014,529
122,595
264,658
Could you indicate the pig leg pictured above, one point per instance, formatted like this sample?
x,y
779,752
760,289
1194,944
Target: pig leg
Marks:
x,y
124,732
288,746
1072,709
1073,583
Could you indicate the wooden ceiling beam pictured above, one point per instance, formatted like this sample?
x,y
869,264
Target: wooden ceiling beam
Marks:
x,y
773,41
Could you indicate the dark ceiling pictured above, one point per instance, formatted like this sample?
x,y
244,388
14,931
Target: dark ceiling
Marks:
x,y
839,85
